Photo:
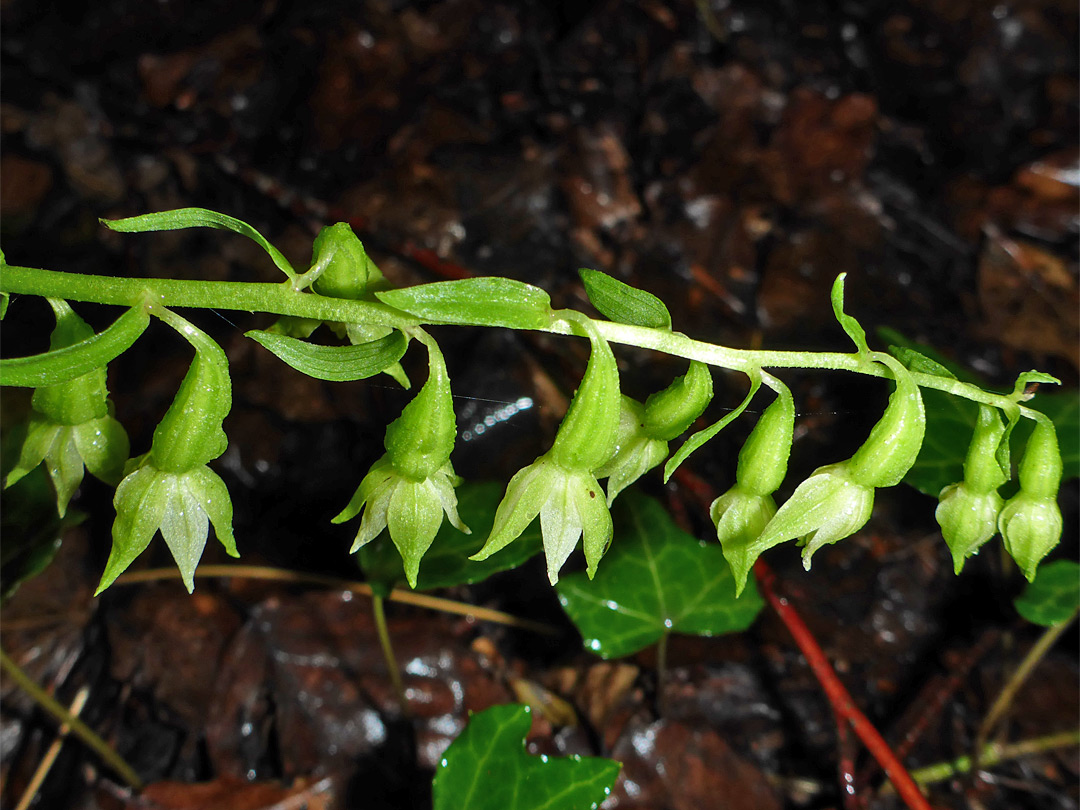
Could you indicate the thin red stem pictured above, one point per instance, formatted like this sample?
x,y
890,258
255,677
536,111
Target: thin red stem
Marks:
x,y
841,700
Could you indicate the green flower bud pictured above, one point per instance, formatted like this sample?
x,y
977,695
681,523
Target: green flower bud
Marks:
x,y
190,434
763,459
740,517
72,427
419,441
669,413
341,265
968,511
635,452
1030,522
586,437
895,441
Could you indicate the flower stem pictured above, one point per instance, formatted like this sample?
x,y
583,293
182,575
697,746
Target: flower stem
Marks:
x,y
392,667
77,726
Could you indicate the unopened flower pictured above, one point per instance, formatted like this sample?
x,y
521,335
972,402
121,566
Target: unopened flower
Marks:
x,y
1030,522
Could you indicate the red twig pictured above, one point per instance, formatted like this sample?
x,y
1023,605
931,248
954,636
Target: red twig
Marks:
x,y
841,701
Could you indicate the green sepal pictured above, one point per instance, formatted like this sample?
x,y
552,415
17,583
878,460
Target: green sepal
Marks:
x,y
894,442
825,508
334,363
198,218
340,267
850,325
671,412
190,433
586,437
702,436
622,303
764,457
181,505
420,440
474,301
636,452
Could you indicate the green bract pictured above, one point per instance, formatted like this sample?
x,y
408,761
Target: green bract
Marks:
x,y
1030,522
410,488
968,510
72,425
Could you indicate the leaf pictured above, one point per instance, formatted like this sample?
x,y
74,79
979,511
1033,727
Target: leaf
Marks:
x,y
198,218
447,562
919,362
897,340
851,326
486,768
656,579
334,363
61,365
1054,595
702,436
622,303
474,301
1030,377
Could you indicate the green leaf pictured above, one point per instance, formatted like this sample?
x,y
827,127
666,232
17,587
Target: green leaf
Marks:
x,y
622,303
851,326
198,218
898,340
1029,377
447,562
656,579
919,362
1054,596
334,363
61,365
702,436
476,301
486,768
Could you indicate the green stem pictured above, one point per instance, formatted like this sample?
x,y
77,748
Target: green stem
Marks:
x,y
77,726
388,653
1016,680
282,299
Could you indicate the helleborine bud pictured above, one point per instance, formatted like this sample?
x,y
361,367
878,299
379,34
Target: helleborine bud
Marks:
x,y
190,434
763,459
827,507
968,511
586,437
635,452
669,413
72,426
1030,522
740,517
419,441
343,268
895,441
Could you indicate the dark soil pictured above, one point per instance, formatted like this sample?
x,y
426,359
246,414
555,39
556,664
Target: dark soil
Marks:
x,y
731,157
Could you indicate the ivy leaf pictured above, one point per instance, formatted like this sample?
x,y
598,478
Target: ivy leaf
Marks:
x,y
1053,596
851,326
486,768
446,562
198,218
334,363
656,579
61,365
622,303
478,301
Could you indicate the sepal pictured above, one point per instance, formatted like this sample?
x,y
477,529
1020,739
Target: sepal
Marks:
x,y
635,451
